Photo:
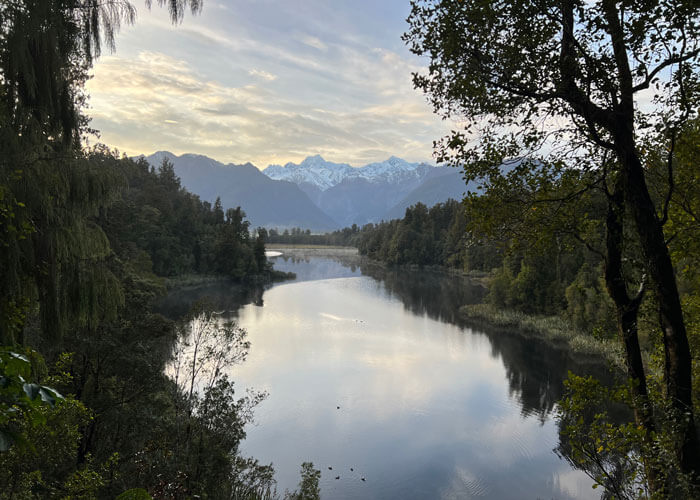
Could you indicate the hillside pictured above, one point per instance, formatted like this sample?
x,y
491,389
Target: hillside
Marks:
x,y
266,202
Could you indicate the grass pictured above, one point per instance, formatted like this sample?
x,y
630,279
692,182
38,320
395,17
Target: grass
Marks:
x,y
551,328
195,280
187,280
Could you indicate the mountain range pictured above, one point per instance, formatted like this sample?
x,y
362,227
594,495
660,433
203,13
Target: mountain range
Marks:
x,y
315,193
266,202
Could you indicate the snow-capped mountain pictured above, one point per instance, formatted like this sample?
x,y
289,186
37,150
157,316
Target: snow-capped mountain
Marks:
x,y
313,170
370,193
317,194
322,174
394,171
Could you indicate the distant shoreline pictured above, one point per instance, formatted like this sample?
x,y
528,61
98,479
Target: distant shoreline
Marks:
x,y
292,246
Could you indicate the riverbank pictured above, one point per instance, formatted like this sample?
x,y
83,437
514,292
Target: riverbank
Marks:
x,y
550,328
197,280
287,246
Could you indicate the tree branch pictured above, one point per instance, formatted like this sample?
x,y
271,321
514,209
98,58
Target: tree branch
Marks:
x,y
624,73
569,90
665,64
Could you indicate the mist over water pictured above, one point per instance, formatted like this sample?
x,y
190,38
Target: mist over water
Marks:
x,y
371,370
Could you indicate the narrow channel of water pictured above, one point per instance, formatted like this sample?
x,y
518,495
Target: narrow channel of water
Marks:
x,y
373,378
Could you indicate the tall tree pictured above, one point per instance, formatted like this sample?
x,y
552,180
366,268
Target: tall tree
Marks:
x,y
52,252
571,81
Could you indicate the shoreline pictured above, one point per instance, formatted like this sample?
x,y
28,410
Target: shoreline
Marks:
x,y
553,329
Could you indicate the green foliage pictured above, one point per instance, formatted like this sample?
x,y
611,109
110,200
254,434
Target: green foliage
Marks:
x,y
684,227
62,264
297,236
308,486
21,398
588,304
428,236
134,494
40,435
161,228
609,452
44,466
616,453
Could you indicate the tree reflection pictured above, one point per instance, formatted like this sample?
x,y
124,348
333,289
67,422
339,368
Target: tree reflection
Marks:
x,y
223,296
535,368
436,294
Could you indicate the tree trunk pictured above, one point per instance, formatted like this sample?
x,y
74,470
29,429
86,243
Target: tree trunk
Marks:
x,y
678,360
677,369
627,311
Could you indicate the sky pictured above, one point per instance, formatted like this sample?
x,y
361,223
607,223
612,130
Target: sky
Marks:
x,y
266,82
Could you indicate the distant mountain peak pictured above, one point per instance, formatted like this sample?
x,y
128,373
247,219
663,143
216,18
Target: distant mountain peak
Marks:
x,y
313,158
160,155
322,174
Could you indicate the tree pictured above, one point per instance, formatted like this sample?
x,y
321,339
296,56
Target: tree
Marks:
x,y
48,192
308,485
564,80
259,250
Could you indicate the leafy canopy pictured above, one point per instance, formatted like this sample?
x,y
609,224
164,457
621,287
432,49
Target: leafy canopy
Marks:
x,y
553,76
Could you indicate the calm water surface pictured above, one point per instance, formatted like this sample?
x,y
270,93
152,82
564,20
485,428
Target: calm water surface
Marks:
x,y
372,370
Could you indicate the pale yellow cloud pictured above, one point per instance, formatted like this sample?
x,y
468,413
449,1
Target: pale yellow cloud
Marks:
x,y
262,74
155,101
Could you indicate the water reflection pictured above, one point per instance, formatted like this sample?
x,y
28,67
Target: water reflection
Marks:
x,y
534,368
433,293
373,371
223,296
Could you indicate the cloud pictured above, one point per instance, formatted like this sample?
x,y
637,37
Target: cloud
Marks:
x,y
262,74
333,94
314,42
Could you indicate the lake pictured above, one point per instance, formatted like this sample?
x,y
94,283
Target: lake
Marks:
x,y
371,374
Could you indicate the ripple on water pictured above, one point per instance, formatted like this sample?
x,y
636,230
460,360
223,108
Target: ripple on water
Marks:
x,y
467,485
522,443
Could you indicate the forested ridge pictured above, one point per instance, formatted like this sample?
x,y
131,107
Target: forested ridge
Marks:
x,y
171,232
